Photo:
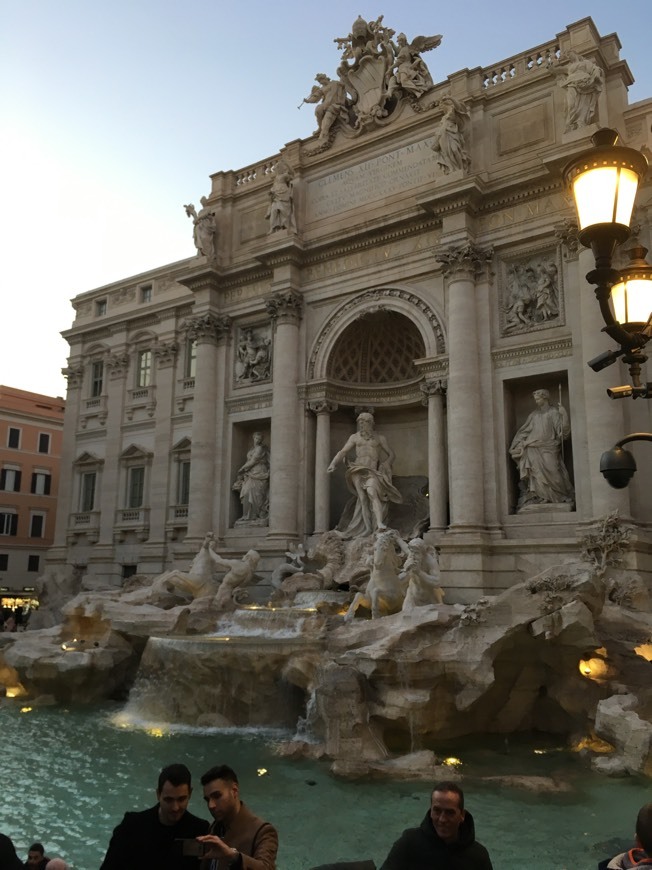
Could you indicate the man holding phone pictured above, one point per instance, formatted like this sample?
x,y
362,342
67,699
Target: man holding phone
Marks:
x,y
237,839
151,838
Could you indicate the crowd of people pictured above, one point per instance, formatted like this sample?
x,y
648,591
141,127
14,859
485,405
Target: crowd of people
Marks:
x,y
13,619
169,837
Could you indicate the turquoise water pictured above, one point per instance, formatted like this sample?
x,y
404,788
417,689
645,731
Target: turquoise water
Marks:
x,y
70,774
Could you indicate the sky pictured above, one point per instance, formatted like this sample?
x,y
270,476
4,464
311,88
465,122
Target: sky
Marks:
x,y
113,113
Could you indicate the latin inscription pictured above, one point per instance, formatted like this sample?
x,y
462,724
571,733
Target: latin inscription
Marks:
x,y
364,183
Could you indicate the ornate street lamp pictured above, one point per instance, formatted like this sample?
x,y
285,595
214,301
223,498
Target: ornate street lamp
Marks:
x,y
604,182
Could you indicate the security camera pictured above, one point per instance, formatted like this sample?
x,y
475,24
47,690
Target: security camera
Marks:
x,y
620,392
618,467
608,358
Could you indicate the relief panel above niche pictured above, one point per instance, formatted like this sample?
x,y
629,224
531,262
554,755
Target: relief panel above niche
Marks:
x,y
531,292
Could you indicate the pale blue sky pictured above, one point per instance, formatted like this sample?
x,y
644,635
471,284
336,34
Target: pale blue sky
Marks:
x,y
113,113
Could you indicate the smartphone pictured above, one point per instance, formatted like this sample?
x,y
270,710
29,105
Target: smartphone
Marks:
x,y
191,848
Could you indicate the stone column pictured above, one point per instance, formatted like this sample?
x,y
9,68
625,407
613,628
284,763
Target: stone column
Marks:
x,y
65,493
322,410
285,308
461,265
116,366
207,330
437,467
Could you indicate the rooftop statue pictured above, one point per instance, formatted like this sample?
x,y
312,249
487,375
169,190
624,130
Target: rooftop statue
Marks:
x,y
281,210
448,141
583,82
374,75
204,231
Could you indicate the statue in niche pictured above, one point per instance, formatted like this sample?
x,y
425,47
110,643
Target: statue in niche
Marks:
x,y
204,230
252,484
537,451
253,357
409,69
331,98
583,82
533,295
239,572
368,477
281,210
448,141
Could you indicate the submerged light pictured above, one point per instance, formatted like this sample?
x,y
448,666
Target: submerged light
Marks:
x,y
452,761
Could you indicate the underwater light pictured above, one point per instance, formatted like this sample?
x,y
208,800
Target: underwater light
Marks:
x,y
262,771
452,761
25,709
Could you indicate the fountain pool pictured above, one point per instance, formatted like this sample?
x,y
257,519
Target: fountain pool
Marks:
x,y
70,774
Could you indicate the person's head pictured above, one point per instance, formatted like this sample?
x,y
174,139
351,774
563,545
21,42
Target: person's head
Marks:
x,y
644,828
56,864
8,856
365,422
447,810
35,854
541,396
173,793
221,792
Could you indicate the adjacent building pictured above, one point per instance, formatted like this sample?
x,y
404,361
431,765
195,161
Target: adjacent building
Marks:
x,y
31,427
417,259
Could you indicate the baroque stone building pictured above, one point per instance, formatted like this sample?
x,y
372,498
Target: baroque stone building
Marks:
x,y
416,258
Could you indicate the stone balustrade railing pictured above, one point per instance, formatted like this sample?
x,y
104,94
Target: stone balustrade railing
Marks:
x,y
513,68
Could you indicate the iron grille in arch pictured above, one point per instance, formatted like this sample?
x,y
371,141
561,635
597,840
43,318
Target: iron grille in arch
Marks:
x,y
378,348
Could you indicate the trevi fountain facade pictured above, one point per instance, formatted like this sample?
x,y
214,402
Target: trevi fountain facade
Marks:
x,y
341,465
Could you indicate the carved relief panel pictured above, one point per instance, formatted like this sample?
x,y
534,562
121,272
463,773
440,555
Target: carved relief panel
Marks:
x,y
253,357
531,296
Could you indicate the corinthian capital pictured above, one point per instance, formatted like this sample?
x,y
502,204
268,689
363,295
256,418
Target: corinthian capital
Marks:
x,y
285,306
432,388
208,327
467,260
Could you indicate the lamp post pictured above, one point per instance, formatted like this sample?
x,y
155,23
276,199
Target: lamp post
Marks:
x,y
604,181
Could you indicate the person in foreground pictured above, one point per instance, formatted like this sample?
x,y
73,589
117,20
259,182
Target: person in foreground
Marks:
x,y
36,857
237,838
147,839
641,854
8,857
444,839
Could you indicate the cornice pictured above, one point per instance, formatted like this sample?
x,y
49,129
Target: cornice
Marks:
x,y
519,354
255,402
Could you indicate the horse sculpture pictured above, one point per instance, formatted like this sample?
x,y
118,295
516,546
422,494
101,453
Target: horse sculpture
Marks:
x,y
385,591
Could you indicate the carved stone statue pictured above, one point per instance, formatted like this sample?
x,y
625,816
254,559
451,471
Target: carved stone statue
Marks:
x,y
410,70
331,98
583,83
421,573
253,357
252,483
197,582
448,141
239,572
368,477
281,210
204,229
385,591
537,451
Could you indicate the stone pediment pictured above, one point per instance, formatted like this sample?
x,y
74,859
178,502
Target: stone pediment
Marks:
x,y
88,458
134,451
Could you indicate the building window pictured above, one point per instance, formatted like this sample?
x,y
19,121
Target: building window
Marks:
x,y
44,442
8,523
144,368
41,482
100,307
146,293
183,487
87,491
13,437
36,525
4,561
33,563
10,480
135,486
97,378
191,359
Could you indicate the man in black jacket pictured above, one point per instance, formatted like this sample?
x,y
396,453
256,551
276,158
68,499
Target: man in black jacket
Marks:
x,y
148,839
445,839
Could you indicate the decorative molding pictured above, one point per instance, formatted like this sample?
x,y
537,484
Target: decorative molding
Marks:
x,y
567,232
212,328
259,401
118,364
165,353
286,306
74,375
527,353
531,297
322,406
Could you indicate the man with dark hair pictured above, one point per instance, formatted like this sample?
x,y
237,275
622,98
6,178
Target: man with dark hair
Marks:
x,y
237,838
445,839
36,857
147,839
641,854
